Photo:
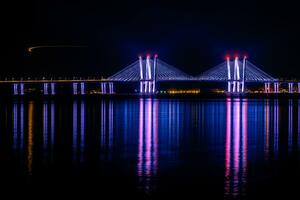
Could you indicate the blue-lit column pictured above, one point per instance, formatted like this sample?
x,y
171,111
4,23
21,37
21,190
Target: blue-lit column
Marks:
x,y
267,87
103,88
75,88
291,87
82,88
298,88
53,89
276,87
16,87
45,88
21,88
111,87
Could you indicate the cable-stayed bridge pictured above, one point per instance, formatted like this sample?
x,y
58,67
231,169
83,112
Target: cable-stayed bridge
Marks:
x,y
149,71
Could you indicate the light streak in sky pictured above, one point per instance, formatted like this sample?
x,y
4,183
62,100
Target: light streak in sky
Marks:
x,y
31,49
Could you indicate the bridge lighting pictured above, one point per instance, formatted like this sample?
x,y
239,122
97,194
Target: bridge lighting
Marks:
x,y
141,67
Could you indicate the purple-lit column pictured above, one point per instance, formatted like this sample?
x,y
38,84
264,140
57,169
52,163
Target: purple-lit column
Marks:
x,y
45,88
111,88
267,87
229,74
52,88
276,87
141,75
104,88
243,74
291,89
16,91
75,88
82,88
299,88
21,88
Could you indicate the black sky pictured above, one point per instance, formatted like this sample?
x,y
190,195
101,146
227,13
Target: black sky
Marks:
x,y
191,35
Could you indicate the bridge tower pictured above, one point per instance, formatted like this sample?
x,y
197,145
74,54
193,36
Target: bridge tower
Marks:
x,y
148,74
236,81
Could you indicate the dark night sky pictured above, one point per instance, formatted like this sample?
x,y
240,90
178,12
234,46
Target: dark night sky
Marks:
x,y
191,35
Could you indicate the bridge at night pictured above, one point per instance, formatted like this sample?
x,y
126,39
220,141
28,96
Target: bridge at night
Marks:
x,y
149,71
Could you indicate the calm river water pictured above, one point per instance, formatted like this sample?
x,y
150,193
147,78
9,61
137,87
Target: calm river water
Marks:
x,y
146,147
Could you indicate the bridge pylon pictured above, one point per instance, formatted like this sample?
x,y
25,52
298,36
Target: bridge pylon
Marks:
x,y
147,74
236,75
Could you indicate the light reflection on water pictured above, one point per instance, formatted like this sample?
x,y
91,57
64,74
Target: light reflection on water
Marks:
x,y
147,137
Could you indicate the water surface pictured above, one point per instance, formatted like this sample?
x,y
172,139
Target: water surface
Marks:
x,y
147,147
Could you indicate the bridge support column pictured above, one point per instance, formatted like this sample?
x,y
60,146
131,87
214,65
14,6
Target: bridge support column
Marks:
x,y
267,87
291,87
16,88
103,88
52,88
45,91
299,88
111,87
21,88
276,87
82,88
75,88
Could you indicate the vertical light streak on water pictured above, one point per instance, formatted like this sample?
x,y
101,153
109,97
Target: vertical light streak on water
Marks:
x,y
155,137
177,123
52,126
290,125
45,130
22,126
236,151
82,130
244,144
75,130
228,148
30,141
45,126
170,123
15,125
141,138
267,129
148,122
126,124
110,124
103,124
299,124
276,126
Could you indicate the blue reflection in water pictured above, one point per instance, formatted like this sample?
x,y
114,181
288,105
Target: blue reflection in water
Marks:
x,y
298,124
75,130
147,158
107,128
78,137
15,125
236,147
52,128
110,124
276,126
45,129
82,129
18,126
267,128
290,124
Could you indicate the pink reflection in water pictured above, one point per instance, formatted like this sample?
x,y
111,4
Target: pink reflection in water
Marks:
x,y
236,147
147,162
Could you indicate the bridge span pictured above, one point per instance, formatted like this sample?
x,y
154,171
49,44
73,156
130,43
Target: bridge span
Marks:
x,y
149,71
